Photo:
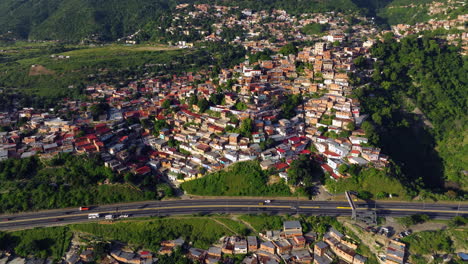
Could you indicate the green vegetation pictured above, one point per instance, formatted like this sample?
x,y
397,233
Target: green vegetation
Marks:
x,y
242,178
458,221
64,181
289,48
263,222
288,107
263,55
411,12
408,221
293,7
432,242
52,76
304,171
112,64
368,181
236,226
73,20
404,14
432,76
40,242
202,231
314,28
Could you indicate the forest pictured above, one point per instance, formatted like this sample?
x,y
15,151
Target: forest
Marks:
x,y
417,108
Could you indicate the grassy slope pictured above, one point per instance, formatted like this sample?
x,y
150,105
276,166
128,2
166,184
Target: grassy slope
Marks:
x,y
201,231
42,242
424,244
83,62
243,178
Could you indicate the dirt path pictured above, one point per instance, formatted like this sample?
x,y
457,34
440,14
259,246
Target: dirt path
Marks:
x,y
245,223
221,223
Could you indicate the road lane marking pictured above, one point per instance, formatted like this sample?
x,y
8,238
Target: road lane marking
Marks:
x,y
147,209
228,206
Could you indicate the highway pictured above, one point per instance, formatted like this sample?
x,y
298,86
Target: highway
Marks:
x,y
228,205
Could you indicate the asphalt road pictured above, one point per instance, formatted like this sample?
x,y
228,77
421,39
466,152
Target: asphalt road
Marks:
x,y
211,206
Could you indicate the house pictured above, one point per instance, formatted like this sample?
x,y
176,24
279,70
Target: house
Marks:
x,y
358,259
125,257
298,242
214,252
250,260
320,248
292,228
395,253
322,259
252,243
87,255
196,254
240,247
268,247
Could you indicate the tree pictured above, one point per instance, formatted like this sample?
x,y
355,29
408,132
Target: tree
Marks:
x,y
365,195
166,104
160,124
314,28
287,49
98,109
304,170
216,98
351,126
193,100
458,221
203,105
343,169
246,127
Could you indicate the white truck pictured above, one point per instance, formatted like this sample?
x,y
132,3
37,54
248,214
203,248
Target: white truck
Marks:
x,y
109,217
93,216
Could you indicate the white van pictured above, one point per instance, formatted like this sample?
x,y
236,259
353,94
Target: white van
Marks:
x,y
93,216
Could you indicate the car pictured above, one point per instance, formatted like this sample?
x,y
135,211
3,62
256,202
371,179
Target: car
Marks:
x,y
7,219
267,201
58,219
124,216
293,208
260,203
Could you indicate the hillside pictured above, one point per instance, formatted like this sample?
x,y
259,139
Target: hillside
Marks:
x,y
411,12
421,76
77,19
73,20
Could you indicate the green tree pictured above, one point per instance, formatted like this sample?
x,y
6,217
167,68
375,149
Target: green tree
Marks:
x,y
203,105
287,49
246,127
166,104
